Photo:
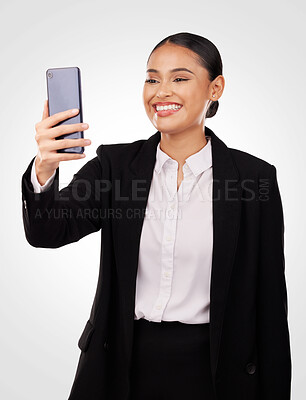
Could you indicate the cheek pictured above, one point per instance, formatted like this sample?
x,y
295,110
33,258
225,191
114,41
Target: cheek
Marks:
x,y
194,92
195,101
146,97
147,92
144,93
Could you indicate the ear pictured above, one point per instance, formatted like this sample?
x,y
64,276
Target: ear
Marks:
x,y
217,87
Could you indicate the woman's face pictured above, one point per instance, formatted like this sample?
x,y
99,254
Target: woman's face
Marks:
x,y
191,89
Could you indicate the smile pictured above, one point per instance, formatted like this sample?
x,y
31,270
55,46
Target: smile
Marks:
x,y
168,109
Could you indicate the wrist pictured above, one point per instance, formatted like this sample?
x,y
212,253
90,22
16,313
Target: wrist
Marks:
x,y
42,172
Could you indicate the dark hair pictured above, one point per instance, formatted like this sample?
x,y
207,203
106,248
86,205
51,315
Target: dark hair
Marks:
x,y
208,57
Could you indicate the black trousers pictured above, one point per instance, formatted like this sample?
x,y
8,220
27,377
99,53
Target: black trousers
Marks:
x,y
171,361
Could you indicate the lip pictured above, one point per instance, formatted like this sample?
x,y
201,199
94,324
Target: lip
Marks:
x,y
165,113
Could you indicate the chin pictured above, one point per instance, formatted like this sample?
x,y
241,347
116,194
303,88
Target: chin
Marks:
x,y
167,125
167,129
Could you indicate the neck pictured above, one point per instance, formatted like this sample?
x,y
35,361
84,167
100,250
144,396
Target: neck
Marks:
x,y
180,146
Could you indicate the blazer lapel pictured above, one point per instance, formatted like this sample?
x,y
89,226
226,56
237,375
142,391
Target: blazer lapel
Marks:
x,y
226,221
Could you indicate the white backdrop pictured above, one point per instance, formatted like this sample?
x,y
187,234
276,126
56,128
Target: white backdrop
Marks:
x,y
46,294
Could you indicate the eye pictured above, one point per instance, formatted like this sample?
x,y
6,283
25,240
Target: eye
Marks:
x,y
154,80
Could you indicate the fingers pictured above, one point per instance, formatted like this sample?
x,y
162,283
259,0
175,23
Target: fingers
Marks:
x,y
48,143
57,157
54,119
65,129
46,111
65,143
49,121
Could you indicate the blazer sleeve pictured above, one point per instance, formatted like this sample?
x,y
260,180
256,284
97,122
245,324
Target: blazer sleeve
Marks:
x,y
274,362
54,218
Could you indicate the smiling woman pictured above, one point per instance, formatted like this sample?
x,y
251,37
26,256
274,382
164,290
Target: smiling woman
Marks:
x,y
183,85
191,300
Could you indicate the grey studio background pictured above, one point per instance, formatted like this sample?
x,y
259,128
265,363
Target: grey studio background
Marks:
x,y
46,294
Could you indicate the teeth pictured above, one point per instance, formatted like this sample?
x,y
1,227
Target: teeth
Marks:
x,y
169,107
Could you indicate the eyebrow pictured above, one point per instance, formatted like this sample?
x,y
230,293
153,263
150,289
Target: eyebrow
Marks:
x,y
172,70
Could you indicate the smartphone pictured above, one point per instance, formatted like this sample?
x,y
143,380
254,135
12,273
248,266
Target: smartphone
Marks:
x,y
64,93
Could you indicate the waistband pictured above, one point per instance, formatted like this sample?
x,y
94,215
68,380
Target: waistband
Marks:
x,y
170,324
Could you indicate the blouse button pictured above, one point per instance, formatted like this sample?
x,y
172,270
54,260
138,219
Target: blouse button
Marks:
x,y
250,368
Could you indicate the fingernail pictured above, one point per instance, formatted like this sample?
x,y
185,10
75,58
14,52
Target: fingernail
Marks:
x,y
74,110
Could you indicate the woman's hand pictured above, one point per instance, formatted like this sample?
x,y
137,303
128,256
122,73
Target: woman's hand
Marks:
x,y
47,159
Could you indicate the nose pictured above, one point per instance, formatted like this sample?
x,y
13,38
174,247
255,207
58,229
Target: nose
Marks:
x,y
164,90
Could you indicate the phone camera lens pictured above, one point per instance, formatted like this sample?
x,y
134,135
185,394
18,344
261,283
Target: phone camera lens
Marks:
x,y
50,74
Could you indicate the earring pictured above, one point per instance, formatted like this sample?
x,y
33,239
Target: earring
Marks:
x,y
213,95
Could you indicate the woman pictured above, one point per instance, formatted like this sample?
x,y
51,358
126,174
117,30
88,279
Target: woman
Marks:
x,y
191,301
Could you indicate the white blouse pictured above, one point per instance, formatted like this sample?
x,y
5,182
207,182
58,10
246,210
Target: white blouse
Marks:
x,y
175,254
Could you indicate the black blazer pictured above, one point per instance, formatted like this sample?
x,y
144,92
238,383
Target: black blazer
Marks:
x,y
249,335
